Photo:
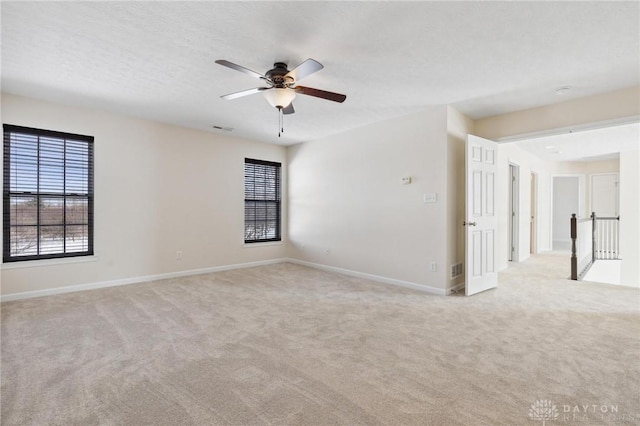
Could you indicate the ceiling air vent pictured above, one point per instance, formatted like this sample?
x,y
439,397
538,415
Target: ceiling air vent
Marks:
x,y
226,129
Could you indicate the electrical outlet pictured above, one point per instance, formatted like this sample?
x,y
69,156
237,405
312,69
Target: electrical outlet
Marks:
x,y
179,255
433,267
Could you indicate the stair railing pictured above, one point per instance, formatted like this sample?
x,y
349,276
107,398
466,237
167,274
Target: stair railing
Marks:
x,y
582,254
606,237
593,238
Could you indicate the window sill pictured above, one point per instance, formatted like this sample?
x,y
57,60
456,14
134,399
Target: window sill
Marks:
x,y
48,262
265,244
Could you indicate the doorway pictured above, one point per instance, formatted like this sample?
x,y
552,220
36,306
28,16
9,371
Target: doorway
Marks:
x,y
533,232
514,211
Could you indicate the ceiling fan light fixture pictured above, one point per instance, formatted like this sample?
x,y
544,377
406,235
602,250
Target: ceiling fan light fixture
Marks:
x,y
279,97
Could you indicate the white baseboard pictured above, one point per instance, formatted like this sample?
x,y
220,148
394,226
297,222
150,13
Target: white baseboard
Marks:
x,y
147,278
133,280
455,288
377,278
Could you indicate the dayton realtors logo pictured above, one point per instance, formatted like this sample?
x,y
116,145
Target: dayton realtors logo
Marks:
x,y
594,412
543,410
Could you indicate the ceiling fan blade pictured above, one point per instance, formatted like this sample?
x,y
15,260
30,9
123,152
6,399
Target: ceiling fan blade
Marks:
x,y
288,109
305,69
242,93
239,68
310,91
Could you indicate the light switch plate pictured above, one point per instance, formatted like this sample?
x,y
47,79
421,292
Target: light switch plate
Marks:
x,y
431,197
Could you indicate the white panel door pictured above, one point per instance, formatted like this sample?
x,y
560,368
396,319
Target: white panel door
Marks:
x,y
481,221
604,195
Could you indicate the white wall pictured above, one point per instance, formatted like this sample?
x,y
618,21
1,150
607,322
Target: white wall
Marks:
x,y
348,208
566,201
543,209
630,218
158,189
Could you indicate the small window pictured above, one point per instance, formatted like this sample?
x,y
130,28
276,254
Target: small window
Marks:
x,y
47,194
261,201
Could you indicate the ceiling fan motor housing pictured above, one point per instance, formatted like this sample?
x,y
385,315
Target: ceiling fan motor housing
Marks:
x,y
278,75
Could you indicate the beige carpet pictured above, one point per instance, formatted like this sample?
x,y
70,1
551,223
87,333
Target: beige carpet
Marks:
x,y
284,344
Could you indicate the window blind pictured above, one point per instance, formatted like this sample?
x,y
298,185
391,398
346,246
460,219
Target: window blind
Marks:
x,y
261,201
47,194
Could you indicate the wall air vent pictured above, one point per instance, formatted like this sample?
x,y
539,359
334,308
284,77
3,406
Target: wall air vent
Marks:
x,y
456,270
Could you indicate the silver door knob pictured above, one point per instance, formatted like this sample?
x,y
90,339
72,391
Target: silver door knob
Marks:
x,y
465,223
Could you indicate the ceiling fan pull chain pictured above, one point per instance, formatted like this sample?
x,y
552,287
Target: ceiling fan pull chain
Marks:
x,y
280,122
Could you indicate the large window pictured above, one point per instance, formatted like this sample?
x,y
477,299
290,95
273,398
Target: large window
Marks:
x,y
47,194
261,201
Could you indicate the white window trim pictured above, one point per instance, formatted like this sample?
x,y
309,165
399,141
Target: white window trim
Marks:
x,y
49,262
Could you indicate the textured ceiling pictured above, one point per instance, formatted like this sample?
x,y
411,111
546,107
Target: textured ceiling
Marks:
x,y
156,59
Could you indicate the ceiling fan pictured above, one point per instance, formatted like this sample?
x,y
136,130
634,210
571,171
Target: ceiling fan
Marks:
x,y
281,85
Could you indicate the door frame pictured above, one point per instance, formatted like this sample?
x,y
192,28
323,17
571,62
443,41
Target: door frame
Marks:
x,y
514,212
533,228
